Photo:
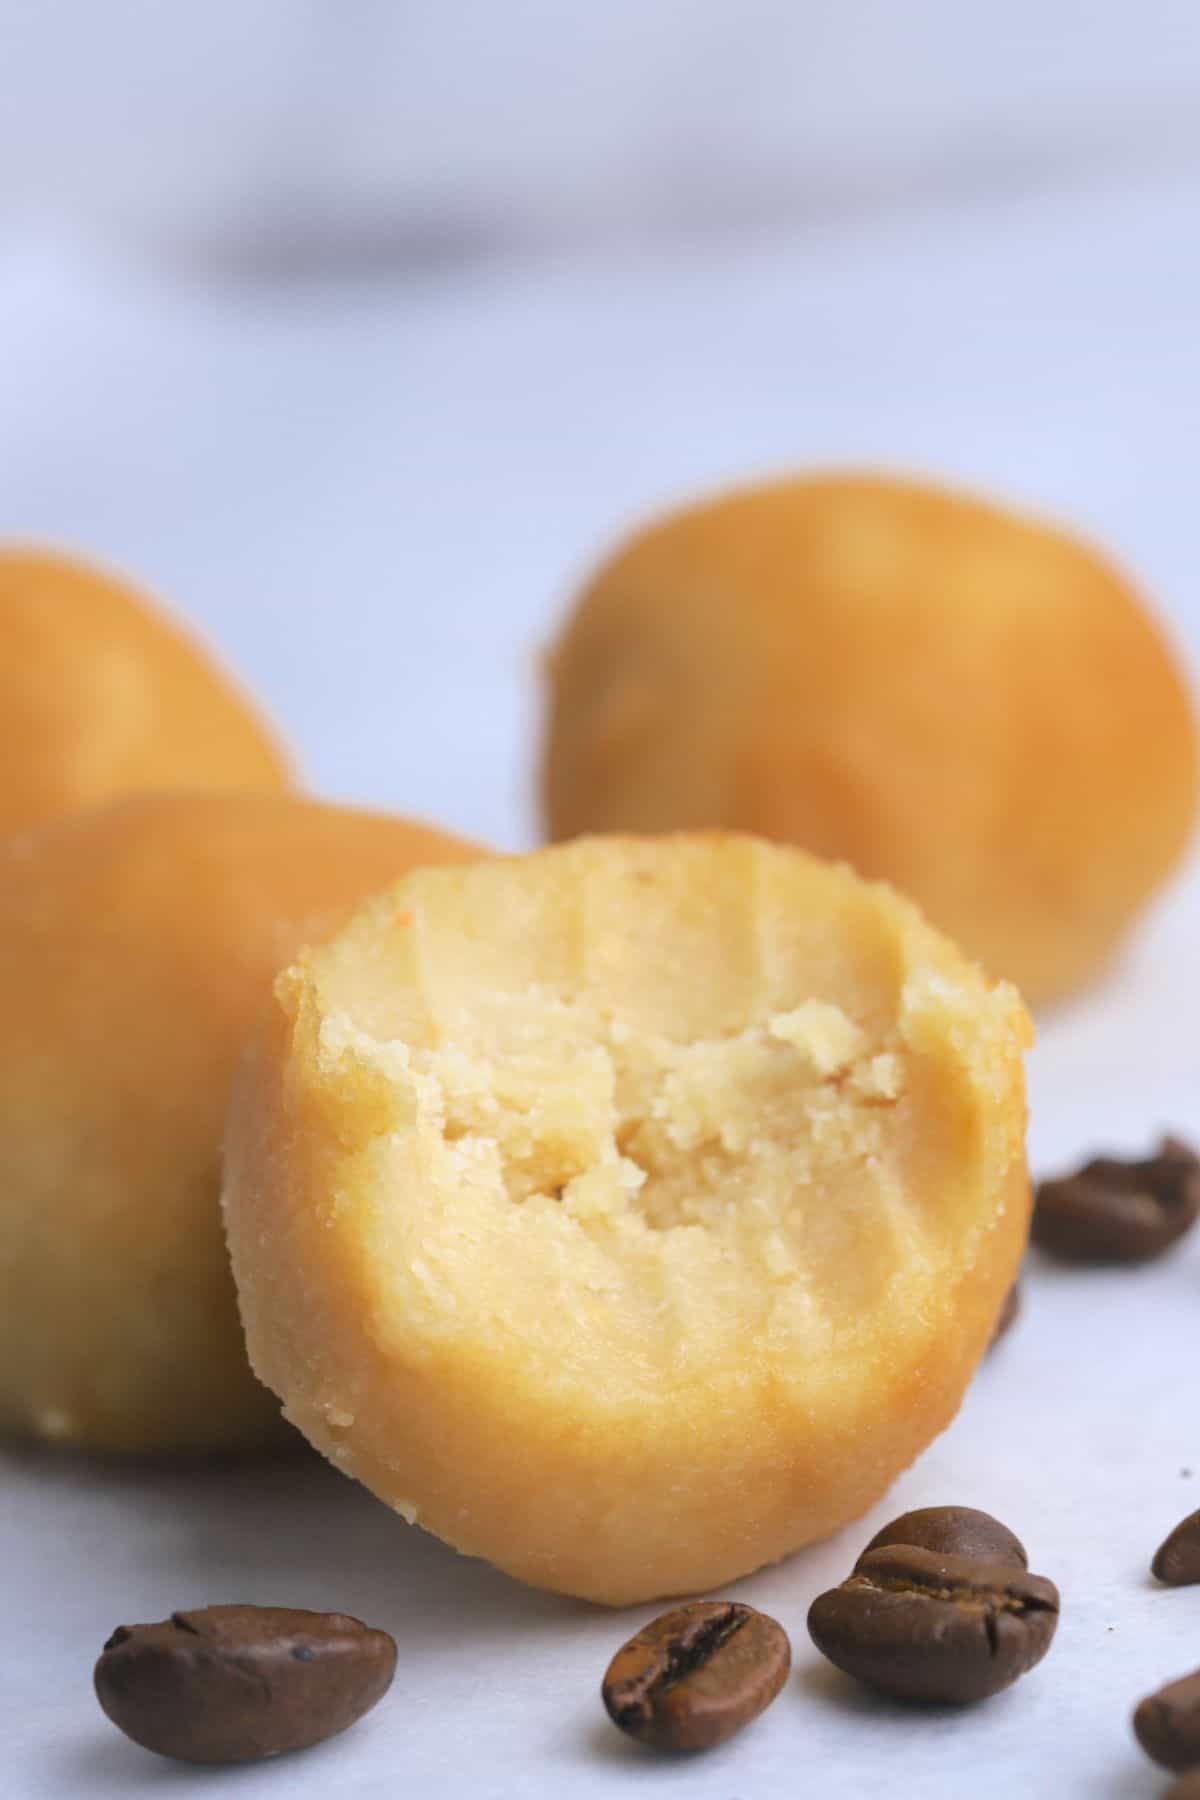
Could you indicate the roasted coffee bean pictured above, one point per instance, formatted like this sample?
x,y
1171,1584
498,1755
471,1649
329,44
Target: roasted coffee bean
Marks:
x,y
229,1684
1168,1724
1008,1314
952,1531
1186,1788
693,1677
926,1626
1177,1559
1120,1212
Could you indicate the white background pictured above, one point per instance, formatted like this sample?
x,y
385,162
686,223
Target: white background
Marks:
x,y
372,484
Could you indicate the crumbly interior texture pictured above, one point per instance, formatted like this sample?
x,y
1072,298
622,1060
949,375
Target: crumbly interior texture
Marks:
x,y
629,1213
746,1177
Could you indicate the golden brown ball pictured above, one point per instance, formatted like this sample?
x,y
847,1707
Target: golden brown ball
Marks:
x,y
963,701
137,946
101,696
632,1212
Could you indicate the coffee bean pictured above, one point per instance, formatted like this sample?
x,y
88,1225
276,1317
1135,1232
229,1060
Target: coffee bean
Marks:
x,y
922,1625
1186,1788
1168,1724
952,1531
1008,1314
1177,1559
228,1684
1112,1211
698,1674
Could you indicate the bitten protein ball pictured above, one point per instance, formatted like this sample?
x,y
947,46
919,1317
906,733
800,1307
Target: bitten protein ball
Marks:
x,y
970,704
101,696
629,1213
137,947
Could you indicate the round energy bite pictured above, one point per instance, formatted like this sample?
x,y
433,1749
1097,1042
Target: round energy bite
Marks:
x,y
101,696
631,1212
138,943
952,697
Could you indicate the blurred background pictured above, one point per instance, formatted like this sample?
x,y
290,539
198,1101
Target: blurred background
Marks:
x,y
355,328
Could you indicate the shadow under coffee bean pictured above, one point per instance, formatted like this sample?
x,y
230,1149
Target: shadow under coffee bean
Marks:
x,y
939,1609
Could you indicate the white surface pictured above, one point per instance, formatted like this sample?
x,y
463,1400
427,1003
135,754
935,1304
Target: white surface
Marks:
x,y
373,499
279,129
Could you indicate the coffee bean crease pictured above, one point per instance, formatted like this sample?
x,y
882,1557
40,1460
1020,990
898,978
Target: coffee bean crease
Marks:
x,y
952,1530
696,1675
925,1626
698,1642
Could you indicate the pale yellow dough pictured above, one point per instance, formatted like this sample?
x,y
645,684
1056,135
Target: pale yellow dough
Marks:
x,y
629,1213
